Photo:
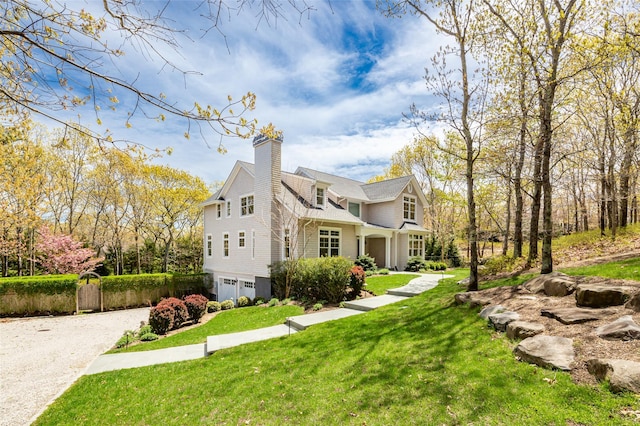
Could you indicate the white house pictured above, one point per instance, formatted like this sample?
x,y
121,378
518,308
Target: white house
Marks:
x,y
263,215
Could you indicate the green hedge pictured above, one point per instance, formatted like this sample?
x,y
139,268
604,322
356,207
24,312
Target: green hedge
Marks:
x,y
45,284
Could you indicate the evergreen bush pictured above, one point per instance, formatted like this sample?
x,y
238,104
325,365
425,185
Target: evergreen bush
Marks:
x,y
196,306
213,306
227,304
243,301
415,264
366,262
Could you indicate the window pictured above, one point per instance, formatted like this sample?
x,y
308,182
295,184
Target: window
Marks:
x,y
247,284
416,245
218,211
354,209
329,242
241,239
246,205
253,244
409,208
228,208
320,197
287,244
225,245
209,245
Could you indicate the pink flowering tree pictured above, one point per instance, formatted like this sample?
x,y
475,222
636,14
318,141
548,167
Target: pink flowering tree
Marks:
x,y
62,254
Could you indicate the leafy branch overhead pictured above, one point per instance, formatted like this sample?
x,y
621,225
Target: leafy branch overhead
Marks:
x,y
56,58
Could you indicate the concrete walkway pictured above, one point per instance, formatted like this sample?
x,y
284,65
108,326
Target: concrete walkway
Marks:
x,y
110,362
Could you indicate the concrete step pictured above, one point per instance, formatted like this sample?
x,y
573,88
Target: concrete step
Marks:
x,y
223,341
302,322
371,303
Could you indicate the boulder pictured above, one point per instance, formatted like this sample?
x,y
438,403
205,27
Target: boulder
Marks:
x,y
624,328
623,375
523,329
634,303
558,283
490,310
501,320
573,315
472,298
547,351
601,295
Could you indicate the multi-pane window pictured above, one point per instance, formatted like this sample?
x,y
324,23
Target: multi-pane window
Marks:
x,y
241,239
409,207
287,244
354,209
218,211
247,284
253,244
320,197
228,208
329,242
416,245
209,245
246,205
225,245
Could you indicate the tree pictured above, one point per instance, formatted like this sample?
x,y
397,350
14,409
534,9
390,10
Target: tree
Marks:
x,y
56,57
62,254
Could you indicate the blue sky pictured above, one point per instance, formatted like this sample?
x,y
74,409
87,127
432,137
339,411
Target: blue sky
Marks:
x,y
336,82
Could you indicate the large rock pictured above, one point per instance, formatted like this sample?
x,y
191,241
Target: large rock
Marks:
x,y
553,284
602,295
624,328
623,375
501,320
517,330
547,351
490,310
573,315
634,303
472,298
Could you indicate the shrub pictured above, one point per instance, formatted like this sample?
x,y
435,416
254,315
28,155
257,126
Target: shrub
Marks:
x,y
356,280
196,306
127,338
366,262
498,264
227,304
273,302
325,278
259,301
436,266
415,264
286,301
243,301
317,306
180,312
161,318
149,337
213,306
383,271
144,330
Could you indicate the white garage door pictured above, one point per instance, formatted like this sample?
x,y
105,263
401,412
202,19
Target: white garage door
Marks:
x,y
227,289
247,288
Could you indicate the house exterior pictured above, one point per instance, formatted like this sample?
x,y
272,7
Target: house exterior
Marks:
x,y
263,215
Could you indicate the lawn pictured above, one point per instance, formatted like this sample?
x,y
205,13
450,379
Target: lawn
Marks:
x,y
625,269
422,361
379,284
231,321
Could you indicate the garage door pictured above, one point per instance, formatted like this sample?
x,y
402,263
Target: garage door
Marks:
x,y
227,289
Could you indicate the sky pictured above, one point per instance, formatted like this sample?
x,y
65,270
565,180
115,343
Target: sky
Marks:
x,y
335,81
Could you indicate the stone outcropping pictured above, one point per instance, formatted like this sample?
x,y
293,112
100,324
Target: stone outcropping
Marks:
x,y
547,351
501,320
634,303
554,284
622,375
573,315
491,310
517,330
602,295
624,328
473,298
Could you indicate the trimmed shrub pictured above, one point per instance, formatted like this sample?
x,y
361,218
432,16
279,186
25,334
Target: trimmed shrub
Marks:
x,y
383,271
161,318
317,306
259,301
227,304
180,312
357,280
243,301
273,302
415,264
286,302
213,306
149,337
366,262
144,330
196,306
436,266
325,278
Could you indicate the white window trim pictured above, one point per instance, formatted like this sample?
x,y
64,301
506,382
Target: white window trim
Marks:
x,y
228,208
415,207
240,204
218,211
253,244
359,208
209,245
244,238
226,238
286,243
339,240
324,196
243,283
409,247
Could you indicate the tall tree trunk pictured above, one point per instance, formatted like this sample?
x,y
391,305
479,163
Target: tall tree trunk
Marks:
x,y
535,202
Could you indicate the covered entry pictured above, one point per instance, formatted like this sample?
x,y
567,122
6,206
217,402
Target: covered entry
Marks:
x,y
376,241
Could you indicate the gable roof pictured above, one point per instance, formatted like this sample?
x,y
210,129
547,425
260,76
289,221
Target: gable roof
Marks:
x,y
344,187
386,189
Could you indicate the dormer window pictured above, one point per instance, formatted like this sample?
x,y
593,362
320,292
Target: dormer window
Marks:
x,y
320,197
354,209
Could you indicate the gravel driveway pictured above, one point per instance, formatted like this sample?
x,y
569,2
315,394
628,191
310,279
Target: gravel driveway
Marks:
x,y
41,357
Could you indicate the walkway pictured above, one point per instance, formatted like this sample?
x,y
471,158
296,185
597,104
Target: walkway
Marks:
x,y
110,362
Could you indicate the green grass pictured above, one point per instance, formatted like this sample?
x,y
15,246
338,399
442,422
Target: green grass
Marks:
x,y
422,361
231,321
379,284
625,269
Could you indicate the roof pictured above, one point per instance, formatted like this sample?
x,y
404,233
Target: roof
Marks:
x,y
412,227
386,189
344,187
